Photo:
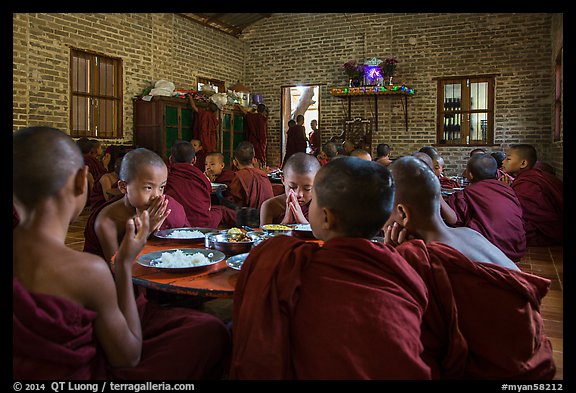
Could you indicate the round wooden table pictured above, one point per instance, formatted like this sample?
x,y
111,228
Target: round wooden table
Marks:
x,y
215,281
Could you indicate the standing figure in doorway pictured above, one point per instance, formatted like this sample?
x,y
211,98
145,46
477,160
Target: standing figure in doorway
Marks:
x,y
296,140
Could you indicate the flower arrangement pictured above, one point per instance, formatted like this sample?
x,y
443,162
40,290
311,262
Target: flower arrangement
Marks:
x,y
353,69
388,66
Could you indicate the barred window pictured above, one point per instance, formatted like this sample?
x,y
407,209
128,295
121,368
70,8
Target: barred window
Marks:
x,y
96,95
466,111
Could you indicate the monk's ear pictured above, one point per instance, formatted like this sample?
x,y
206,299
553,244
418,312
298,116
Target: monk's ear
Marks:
x,y
403,214
524,164
122,186
193,161
328,219
81,180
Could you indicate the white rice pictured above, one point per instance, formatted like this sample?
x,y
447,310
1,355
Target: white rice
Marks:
x,y
180,234
180,259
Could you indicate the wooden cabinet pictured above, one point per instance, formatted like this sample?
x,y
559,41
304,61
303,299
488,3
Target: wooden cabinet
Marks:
x,y
160,121
231,132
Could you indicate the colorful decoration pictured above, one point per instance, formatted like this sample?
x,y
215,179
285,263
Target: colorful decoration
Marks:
x,y
371,90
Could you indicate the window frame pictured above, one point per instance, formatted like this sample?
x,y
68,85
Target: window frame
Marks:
x,y
465,111
207,81
94,95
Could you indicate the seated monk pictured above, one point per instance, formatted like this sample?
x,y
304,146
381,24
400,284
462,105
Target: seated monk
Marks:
x,y
445,182
490,207
189,186
250,186
72,318
349,309
215,169
292,206
540,194
482,319
143,176
362,154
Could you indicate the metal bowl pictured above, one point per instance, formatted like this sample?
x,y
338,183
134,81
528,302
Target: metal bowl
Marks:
x,y
222,243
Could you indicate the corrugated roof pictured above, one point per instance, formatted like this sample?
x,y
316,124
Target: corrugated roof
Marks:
x,y
230,23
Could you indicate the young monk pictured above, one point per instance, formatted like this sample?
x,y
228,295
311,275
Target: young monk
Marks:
x,y
256,131
328,152
482,320
350,309
190,187
362,154
541,196
445,182
205,128
73,318
490,207
200,155
383,152
292,206
214,169
500,156
143,176
250,187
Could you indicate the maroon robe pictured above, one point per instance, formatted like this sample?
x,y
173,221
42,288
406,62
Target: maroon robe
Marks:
x,y
541,197
295,141
225,177
190,186
314,138
350,309
200,162
96,197
446,182
256,127
54,339
483,321
492,208
95,167
305,209
250,188
205,129
176,219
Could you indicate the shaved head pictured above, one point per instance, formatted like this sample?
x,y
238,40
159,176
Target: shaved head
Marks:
x,y
244,153
43,158
416,185
362,154
360,194
431,151
135,159
182,151
482,166
301,163
424,158
526,152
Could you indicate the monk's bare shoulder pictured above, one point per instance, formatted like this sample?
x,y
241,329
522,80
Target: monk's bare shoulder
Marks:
x,y
477,248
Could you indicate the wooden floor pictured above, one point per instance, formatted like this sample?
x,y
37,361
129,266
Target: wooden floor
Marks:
x,y
543,261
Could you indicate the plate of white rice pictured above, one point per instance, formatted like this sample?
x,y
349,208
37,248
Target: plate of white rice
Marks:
x,y
181,259
184,234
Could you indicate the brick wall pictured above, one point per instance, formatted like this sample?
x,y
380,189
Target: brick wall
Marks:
x,y
289,49
151,46
310,49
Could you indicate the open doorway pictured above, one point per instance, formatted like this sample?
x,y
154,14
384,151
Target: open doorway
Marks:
x,y
299,100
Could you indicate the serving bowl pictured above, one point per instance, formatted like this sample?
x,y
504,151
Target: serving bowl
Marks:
x,y
227,244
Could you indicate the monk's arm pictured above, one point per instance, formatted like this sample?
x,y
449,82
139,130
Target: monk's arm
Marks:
x,y
107,233
192,103
268,211
447,213
117,325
